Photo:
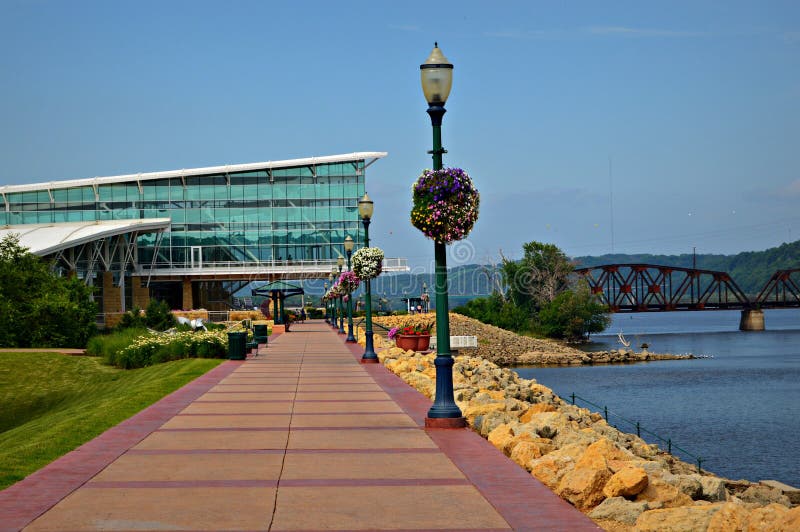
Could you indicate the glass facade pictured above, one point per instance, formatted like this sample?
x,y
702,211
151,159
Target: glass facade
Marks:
x,y
272,215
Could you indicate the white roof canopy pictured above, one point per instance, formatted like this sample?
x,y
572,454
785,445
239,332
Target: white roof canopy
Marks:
x,y
44,239
248,167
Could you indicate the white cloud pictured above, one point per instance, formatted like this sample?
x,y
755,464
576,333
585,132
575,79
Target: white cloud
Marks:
x,y
404,27
523,35
791,37
792,189
641,32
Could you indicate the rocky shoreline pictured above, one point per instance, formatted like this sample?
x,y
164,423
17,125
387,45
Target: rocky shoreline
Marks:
x,y
506,348
617,479
621,356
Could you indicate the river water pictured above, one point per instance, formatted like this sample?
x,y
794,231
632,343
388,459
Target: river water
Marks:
x,y
739,409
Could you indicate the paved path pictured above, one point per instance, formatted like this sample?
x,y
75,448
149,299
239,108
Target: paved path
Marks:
x,y
302,437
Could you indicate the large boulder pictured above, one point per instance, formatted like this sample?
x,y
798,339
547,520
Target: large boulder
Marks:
x,y
607,450
680,519
626,482
583,486
550,468
538,408
732,517
713,489
501,436
526,451
480,409
691,485
791,520
619,509
660,493
485,424
764,495
768,518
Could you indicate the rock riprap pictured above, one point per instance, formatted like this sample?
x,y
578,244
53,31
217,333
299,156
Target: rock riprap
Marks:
x,y
617,479
507,348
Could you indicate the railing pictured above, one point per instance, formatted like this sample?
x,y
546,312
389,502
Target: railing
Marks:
x,y
264,266
639,430
375,326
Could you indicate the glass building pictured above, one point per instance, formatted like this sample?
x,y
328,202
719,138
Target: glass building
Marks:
x,y
227,224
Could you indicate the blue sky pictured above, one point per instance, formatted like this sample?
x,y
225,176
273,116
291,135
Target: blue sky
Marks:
x,y
695,104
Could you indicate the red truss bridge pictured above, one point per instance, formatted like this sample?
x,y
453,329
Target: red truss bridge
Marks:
x,y
654,288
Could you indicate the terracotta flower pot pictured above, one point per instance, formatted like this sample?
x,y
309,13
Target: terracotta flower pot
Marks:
x,y
407,341
424,342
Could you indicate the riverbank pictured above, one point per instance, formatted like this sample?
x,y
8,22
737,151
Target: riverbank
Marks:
x,y
617,479
506,348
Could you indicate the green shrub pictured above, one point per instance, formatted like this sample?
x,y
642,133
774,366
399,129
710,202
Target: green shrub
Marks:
x,y
108,345
133,319
158,316
155,348
573,315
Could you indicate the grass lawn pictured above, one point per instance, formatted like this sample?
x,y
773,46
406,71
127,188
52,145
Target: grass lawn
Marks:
x,y
50,403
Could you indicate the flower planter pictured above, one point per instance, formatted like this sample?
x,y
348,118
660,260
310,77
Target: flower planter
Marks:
x,y
406,341
424,342
415,342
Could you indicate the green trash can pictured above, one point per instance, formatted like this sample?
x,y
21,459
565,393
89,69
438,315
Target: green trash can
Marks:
x,y
260,333
237,345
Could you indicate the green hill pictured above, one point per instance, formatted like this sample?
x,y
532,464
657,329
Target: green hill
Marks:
x,y
749,269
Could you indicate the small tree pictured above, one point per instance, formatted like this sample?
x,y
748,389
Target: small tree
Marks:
x,y
158,316
539,277
573,315
39,308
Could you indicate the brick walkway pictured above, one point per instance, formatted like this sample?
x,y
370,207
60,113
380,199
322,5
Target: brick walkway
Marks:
x,y
303,437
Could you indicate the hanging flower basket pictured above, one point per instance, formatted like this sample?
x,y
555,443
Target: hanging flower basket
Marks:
x,y
349,281
445,204
335,292
367,263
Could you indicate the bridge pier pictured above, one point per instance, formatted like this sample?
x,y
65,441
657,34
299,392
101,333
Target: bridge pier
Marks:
x,y
752,320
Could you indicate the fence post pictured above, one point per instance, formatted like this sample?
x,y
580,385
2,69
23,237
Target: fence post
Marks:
x,y
699,463
638,430
669,445
605,412
573,398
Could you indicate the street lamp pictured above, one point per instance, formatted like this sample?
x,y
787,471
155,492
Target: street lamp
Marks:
x,y
327,303
348,248
331,277
436,75
365,209
340,264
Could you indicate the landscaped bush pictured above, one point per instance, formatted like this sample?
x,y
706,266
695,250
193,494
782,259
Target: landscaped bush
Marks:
x,y
108,345
315,313
133,319
158,316
137,348
155,348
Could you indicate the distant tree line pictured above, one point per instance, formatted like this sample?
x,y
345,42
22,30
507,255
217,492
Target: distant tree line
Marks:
x,y
539,295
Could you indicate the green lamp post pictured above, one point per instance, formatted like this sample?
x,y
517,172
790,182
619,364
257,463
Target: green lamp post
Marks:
x,y
340,264
365,210
436,75
331,277
348,248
